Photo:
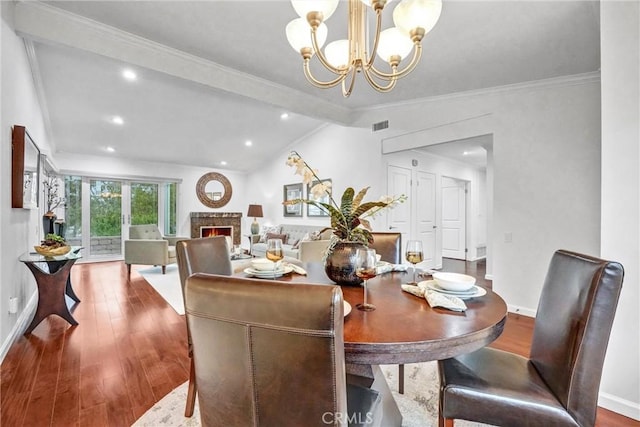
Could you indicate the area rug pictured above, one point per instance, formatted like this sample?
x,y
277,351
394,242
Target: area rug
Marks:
x,y
167,285
418,404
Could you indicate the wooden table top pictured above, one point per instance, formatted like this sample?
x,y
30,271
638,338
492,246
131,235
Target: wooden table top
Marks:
x,y
404,328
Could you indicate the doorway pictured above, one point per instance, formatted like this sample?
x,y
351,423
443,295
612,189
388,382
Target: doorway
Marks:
x,y
454,218
99,211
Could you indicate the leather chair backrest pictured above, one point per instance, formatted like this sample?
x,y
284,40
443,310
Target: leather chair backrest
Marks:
x,y
389,245
204,255
266,353
147,231
572,328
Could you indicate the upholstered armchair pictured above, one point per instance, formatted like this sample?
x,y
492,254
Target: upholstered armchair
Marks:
x,y
147,246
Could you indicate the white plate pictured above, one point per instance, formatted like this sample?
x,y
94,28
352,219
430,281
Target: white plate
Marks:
x,y
268,274
347,308
474,292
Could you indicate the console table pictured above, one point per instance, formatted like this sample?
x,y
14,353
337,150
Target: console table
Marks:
x,y
52,276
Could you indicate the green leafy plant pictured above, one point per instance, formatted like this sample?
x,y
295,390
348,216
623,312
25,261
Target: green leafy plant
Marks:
x,y
53,240
349,219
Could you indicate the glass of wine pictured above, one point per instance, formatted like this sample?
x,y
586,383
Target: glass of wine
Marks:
x,y
274,253
414,255
366,269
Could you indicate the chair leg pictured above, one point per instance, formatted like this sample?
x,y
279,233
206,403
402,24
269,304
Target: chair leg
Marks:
x,y
164,269
191,393
128,271
401,379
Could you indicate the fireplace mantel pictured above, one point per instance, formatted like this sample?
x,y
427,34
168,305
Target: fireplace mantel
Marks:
x,y
233,219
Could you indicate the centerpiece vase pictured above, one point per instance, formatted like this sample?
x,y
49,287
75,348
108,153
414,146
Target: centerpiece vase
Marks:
x,y
340,264
48,221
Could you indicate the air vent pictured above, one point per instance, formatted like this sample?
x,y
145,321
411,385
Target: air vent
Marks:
x,y
380,126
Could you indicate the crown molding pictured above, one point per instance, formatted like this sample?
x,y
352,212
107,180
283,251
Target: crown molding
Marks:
x,y
554,82
47,24
40,95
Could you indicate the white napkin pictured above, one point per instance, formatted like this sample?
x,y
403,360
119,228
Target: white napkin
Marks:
x,y
413,289
435,299
386,267
296,268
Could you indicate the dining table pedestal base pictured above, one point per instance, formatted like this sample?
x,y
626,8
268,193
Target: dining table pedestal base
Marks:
x,y
371,376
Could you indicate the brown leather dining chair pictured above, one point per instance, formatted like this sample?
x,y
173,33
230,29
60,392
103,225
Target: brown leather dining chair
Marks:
x,y
269,353
205,255
558,384
389,245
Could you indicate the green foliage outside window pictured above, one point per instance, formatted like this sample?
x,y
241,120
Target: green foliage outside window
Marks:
x,y
144,203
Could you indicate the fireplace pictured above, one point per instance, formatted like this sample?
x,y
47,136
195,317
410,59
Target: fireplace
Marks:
x,y
218,223
215,230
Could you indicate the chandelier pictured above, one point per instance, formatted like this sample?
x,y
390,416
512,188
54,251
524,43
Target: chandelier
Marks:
x,y
345,58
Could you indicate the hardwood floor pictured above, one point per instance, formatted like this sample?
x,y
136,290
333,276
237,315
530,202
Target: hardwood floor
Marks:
x,y
128,351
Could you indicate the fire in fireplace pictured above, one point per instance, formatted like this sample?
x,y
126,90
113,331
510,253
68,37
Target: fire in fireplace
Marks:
x,y
214,230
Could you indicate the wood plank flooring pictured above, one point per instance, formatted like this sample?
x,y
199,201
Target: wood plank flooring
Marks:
x,y
129,351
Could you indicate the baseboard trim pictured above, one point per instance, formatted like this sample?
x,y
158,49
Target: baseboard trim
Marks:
x,y
488,277
20,326
619,406
521,310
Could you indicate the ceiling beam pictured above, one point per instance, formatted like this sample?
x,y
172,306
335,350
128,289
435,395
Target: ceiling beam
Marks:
x,y
47,24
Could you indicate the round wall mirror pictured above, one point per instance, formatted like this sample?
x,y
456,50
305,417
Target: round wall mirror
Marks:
x,y
214,190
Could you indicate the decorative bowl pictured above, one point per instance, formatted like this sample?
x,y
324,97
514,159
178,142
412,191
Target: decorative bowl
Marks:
x,y
262,264
49,251
454,281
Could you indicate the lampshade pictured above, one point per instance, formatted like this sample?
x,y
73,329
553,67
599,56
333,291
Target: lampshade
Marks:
x,y
255,211
326,7
393,42
337,53
299,34
412,14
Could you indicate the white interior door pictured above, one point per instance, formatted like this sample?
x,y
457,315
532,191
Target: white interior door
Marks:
x,y
399,218
453,218
426,217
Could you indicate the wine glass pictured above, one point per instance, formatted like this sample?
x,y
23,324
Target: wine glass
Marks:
x,y
274,253
414,255
366,269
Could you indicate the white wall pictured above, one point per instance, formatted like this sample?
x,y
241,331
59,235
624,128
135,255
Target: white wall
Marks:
x,y
546,180
620,47
350,157
20,227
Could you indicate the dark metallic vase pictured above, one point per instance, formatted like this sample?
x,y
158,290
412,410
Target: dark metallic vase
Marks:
x,y
48,220
340,264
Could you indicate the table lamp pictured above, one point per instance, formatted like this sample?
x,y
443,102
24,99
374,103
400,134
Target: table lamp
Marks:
x,y
256,212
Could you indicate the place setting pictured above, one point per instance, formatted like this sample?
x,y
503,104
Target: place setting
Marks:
x,y
445,290
274,265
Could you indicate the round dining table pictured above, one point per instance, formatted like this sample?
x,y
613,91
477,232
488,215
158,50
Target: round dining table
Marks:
x,y
404,328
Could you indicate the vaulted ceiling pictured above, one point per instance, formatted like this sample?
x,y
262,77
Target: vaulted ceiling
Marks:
x,y
213,74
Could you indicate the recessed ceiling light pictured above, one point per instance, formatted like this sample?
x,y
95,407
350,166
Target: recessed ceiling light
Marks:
x,y
111,149
129,75
465,153
117,120
284,116
223,163
248,143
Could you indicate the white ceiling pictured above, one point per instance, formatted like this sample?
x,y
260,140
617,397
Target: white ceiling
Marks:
x,y
212,74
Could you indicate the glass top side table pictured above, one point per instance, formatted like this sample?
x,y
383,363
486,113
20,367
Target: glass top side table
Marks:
x,y
52,276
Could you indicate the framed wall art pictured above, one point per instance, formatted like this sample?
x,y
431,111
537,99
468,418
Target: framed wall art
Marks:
x,y
314,210
292,192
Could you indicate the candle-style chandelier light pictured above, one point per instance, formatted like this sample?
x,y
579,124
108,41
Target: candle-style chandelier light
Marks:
x,y
345,58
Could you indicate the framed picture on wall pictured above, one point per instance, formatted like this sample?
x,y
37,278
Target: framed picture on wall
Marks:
x,y
324,198
292,192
